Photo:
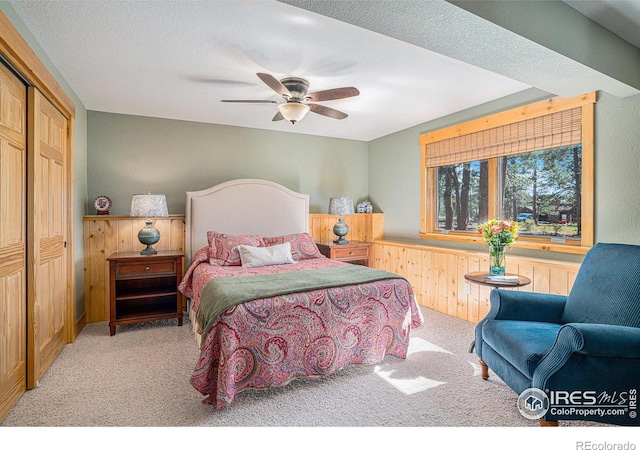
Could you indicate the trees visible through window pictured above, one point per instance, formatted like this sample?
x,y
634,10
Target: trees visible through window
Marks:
x,y
542,190
463,195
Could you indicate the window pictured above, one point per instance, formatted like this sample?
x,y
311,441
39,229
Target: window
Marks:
x,y
462,195
533,164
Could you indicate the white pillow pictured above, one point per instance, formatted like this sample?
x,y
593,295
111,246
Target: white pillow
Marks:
x,y
265,256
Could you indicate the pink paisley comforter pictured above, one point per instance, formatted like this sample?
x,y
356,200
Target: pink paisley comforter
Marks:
x,y
269,342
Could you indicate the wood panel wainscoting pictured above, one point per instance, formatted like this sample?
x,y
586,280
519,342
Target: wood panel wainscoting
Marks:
x,y
437,276
362,227
104,235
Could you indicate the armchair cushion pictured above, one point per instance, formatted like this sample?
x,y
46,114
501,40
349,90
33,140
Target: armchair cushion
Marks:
x,y
522,343
520,306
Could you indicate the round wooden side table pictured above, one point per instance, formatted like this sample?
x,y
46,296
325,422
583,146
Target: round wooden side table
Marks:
x,y
479,278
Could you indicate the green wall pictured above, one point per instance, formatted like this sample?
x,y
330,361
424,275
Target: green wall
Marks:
x,y
131,155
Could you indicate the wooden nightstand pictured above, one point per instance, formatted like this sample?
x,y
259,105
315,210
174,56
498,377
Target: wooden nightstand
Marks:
x,y
355,252
144,287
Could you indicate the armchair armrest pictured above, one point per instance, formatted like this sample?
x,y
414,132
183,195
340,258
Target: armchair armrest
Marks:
x,y
589,339
531,306
605,341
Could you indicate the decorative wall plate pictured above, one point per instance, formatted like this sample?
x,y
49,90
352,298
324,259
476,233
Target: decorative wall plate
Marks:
x,y
102,204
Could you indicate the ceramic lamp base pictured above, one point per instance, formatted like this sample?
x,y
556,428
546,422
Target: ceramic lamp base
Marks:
x,y
340,229
148,236
149,251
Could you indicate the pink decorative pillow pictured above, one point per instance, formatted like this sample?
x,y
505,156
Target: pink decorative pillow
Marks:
x,y
302,245
222,247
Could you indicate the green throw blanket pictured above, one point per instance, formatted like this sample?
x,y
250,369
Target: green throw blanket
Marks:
x,y
221,294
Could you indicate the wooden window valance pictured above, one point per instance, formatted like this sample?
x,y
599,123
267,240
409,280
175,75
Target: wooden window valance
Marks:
x,y
551,130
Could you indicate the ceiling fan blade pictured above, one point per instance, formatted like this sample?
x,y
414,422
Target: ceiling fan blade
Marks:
x,y
248,101
333,94
326,111
273,83
277,117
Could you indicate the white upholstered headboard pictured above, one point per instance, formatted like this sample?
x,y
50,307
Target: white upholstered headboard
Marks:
x,y
245,206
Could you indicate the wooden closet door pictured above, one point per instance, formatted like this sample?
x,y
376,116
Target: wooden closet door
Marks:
x,y
49,288
13,239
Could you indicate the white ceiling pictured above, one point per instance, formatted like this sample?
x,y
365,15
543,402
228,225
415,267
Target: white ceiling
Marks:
x,y
178,59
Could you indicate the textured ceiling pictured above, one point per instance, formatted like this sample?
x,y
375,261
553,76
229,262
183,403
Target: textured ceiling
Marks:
x,y
178,59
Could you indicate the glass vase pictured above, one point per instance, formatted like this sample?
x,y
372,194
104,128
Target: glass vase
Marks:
x,y
497,261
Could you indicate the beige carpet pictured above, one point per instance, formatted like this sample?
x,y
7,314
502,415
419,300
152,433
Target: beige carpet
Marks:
x,y
140,378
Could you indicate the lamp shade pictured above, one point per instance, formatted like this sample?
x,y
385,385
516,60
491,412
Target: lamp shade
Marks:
x,y
149,205
341,206
293,111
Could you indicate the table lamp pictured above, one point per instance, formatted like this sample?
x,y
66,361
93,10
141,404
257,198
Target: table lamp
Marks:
x,y
149,205
340,206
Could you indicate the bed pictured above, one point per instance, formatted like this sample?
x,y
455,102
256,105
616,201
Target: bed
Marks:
x,y
267,308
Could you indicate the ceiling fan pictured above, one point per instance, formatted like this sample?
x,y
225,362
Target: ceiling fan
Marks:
x,y
298,101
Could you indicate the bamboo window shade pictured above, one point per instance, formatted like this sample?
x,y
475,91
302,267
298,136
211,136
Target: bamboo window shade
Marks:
x,y
548,131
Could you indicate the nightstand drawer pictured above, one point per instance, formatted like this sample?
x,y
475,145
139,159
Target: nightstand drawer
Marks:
x,y
340,253
137,269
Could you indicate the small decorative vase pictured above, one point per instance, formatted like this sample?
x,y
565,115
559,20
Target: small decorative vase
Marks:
x,y
497,261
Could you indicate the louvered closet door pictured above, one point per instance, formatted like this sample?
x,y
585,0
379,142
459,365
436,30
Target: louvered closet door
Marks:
x,y
49,289
13,238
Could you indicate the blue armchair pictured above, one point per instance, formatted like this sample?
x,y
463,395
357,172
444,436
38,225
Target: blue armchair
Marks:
x,y
582,350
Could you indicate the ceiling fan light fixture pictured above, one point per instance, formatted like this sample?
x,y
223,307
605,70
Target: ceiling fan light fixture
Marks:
x,y
293,111
298,102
